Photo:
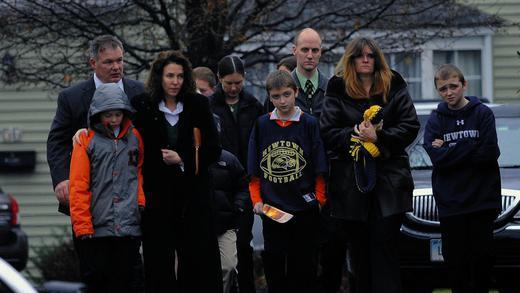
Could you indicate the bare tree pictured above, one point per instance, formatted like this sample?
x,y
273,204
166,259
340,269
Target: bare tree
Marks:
x,y
48,39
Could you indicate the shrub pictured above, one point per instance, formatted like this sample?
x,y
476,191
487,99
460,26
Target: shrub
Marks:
x,y
57,260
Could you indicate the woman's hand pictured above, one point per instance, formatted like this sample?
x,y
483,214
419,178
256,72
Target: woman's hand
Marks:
x,y
171,157
367,131
75,138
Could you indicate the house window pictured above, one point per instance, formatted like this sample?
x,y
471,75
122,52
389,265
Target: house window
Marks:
x,y
469,61
409,66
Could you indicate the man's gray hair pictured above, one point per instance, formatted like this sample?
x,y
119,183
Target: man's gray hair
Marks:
x,y
102,42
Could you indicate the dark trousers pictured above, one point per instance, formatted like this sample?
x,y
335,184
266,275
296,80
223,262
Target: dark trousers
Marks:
x,y
107,263
137,280
467,248
190,242
290,253
246,282
333,252
375,254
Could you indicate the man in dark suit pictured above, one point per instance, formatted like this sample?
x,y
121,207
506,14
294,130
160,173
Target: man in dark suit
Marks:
x,y
106,60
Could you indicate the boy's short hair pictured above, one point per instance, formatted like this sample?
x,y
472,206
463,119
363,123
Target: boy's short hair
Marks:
x,y
447,71
279,79
204,73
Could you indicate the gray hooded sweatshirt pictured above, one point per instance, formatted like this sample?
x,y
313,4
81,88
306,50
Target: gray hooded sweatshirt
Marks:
x,y
112,166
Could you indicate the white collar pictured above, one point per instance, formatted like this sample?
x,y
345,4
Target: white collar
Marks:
x,y
177,111
171,116
294,117
98,82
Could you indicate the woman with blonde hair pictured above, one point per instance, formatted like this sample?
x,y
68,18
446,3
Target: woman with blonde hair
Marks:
x,y
367,122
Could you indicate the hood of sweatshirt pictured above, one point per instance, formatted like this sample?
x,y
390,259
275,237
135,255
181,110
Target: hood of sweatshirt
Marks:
x,y
443,109
107,97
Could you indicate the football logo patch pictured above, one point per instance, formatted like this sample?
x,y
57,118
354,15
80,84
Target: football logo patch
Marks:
x,y
282,162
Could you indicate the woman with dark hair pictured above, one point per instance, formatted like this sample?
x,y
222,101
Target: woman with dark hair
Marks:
x,y
237,111
180,141
368,116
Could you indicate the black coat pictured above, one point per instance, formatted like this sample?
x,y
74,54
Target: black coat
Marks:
x,y
178,214
158,176
71,115
230,189
394,183
234,135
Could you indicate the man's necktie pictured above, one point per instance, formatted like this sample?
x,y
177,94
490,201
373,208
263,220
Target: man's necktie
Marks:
x,y
309,88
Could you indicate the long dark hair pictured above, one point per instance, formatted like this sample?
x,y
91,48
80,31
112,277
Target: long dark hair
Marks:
x,y
229,65
154,81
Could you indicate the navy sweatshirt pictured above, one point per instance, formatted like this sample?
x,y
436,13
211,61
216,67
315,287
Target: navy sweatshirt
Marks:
x,y
287,161
466,176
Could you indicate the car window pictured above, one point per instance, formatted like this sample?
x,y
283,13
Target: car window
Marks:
x,y
419,159
508,132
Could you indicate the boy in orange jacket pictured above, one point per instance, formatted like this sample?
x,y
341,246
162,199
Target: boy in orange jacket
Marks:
x,y
106,194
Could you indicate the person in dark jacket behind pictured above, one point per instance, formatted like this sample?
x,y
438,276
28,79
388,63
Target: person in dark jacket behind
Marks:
x,y
106,55
288,64
106,59
311,82
231,198
237,111
181,141
372,219
461,140
204,80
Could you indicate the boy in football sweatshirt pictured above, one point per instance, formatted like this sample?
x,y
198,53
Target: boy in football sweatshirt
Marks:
x,y
286,163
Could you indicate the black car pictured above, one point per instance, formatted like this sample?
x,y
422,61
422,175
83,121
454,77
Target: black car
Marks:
x,y
422,264
14,247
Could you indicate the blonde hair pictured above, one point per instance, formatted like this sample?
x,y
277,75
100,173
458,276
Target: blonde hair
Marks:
x,y
346,68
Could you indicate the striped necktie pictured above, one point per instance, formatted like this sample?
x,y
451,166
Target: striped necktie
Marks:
x,y
309,88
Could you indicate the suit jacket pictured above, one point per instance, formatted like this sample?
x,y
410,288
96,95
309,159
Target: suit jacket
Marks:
x,y
71,115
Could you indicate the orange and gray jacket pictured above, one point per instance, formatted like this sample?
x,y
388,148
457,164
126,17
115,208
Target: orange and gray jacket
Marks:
x,y
105,173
